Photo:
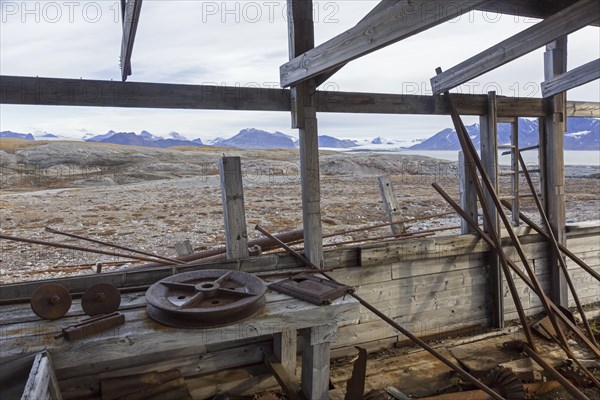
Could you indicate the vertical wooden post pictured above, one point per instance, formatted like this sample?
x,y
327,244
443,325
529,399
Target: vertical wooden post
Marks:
x,y
232,194
489,158
316,348
555,63
390,204
285,347
468,196
304,118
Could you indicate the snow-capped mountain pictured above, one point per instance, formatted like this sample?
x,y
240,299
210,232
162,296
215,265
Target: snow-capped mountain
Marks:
x,y
582,134
15,135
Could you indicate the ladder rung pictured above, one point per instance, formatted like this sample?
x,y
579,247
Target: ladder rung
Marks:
x,y
511,172
507,197
537,146
527,195
506,146
532,171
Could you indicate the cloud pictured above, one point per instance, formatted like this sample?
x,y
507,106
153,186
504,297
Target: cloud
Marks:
x,y
245,42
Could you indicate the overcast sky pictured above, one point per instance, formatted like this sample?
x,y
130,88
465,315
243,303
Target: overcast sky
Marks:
x,y
244,43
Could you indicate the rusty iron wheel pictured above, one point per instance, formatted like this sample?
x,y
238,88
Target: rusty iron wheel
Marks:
x,y
206,298
102,298
51,301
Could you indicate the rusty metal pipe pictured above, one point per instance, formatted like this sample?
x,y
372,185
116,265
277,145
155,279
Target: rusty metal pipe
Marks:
x,y
390,321
78,248
116,246
383,225
475,164
554,244
562,248
265,244
518,271
524,348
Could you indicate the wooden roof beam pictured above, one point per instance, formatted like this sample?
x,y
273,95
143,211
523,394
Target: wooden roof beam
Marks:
x,y
392,24
571,79
131,18
569,20
94,93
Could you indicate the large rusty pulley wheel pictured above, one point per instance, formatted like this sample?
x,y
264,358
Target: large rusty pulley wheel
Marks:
x,y
206,298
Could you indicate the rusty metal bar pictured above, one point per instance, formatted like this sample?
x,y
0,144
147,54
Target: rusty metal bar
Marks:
x,y
78,248
116,246
265,244
562,248
468,147
523,348
499,249
518,271
397,237
554,244
390,321
383,225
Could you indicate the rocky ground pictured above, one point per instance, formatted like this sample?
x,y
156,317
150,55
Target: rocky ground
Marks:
x,y
150,199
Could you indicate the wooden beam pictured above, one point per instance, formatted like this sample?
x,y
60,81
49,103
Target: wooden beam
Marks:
x,y
284,378
285,348
489,159
560,24
96,93
572,79
304,117
390,204
468,196
315,364
399,21
383,4
552,166
234,214
131,18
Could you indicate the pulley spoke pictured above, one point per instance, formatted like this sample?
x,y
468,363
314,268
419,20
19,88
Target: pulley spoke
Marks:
x,y
223,277
192,300
182,286
235,292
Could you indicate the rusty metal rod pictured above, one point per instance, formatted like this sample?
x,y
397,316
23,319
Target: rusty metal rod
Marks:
x,y
475,165
499,251
383,225
562,248
554,245
575,360
390,321
116,246
518,271
78,248
398,237
524,348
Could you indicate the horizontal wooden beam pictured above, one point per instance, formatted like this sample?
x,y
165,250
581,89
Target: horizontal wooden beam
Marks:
x,y
131,18
95,93
560,24
572,79
390,25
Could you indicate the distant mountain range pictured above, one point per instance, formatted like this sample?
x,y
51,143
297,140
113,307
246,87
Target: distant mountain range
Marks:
x,y
582,134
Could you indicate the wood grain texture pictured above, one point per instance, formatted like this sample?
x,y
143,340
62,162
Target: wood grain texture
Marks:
x,y
234,213
566,21
131,18
390,204
576,77
394,23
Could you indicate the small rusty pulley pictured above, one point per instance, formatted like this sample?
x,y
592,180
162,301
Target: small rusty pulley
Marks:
x,y
102,298
206,298
51,301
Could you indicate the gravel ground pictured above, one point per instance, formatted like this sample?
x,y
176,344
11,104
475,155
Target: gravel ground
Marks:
x,y
150,199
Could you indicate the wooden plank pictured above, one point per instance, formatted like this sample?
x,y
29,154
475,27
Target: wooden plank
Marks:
x,y
234,214
552,164
284,377
489,159
131,18
566,21
315,367
97,93
183,248
468,197
37,386
304,117
390,204
285,348
411,269
390,25
576,77
125,279
355,276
